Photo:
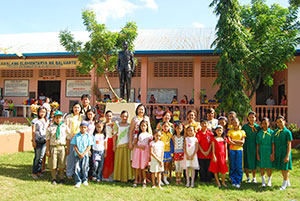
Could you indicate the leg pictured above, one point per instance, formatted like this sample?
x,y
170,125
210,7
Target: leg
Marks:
x,y
187,172
193,177
217,179
70,162
159,179
262,172
128,85
247,175
269,173
285,175
144,178
77,173
95,169
53,174
232,166
61,173
153,179
122,84
166,165
85,168
170,171
100,168
239,164
223,179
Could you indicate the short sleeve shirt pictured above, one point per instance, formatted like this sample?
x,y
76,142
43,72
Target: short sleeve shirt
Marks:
x,y
157,147
51,135
236,135
82,142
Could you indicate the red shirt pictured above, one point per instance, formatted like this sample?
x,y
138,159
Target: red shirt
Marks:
x,y
204,141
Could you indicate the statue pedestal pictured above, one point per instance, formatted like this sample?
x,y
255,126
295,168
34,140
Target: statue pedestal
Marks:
x,y
117,108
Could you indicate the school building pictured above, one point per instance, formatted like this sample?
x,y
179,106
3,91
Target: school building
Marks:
x,y
170,62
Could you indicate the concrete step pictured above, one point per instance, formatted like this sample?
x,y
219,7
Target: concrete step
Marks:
x,y
21,120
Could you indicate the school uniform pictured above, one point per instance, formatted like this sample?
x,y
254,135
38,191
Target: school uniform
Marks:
x,y
265,139
281,138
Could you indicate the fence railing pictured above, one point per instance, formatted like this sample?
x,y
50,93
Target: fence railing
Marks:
x,y
271,111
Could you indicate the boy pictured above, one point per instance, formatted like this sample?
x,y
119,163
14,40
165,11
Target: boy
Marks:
x,y
56,140
204,138
82,144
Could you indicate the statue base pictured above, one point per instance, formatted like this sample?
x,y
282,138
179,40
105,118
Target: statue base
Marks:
x,y
117,108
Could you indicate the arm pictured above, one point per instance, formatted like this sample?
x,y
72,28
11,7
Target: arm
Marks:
x,y
132,126
289,147
273,152
226,151
184,150
156,157
76,150
115,138
105,149
257,152
149,127
48,148
33,136
132,63
86,151
137,146
213,152
195,151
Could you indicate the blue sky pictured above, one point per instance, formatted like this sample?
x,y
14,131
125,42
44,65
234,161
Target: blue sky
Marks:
x,y
27,16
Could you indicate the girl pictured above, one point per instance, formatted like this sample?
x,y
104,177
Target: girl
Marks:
x,y
166,138
158,114
265,150
178,141
222,121
251,129
283,155
191,116
157,157
99,151
73,122
108,166
90,118
141,154
219,160
39,127
167,116
33,108
122,168
236,139
190,161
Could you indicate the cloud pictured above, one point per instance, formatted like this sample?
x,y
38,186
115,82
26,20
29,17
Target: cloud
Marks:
x,y
198,25
150,4
117,9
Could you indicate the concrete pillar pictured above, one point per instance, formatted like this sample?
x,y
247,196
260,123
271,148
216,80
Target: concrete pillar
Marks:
x,y
197,82
144,80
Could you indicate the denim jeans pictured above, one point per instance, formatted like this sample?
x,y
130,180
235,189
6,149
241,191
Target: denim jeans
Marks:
x,y
236,166
98,164
39,153
81,169
70,161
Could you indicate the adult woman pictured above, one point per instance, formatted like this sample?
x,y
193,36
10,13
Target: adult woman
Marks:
x,y
191,116
167,116
72,121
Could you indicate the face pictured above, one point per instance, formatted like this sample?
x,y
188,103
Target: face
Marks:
x,y
90,115
210,116
124,117
204,125
190,131
76,109
231,116
191,116
166,127
219,131
99,127
108,117
179,128
251,118
157,136
83,129
58,119
222,122
265,124
85,101
141,111
144,126
167,117
43,113
280,123
235,123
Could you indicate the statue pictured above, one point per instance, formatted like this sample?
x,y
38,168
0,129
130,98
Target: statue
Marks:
x,y
125,65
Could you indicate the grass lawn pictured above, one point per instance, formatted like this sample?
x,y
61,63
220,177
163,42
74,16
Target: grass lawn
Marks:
x,y
16,184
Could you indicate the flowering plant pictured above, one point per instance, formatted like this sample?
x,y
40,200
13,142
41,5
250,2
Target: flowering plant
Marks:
x,y
54,104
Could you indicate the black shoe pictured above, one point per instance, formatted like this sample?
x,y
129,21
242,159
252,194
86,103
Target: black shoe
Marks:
x,y
62,181
54,182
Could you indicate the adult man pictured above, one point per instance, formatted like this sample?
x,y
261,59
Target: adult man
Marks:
x,y
126,67
270,101
85,102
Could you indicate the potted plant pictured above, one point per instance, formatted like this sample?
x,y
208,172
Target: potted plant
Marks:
x,y
296,134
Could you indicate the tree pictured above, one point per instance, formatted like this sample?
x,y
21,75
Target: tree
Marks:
x,y
295,3
101,51
254,41
231,42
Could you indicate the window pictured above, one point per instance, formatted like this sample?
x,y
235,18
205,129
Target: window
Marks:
x,y
173,69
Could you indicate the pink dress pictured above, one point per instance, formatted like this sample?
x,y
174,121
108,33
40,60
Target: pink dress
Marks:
x,y
190,148
141,157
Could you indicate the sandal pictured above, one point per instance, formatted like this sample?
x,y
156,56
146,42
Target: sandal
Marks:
x,y
134,184
145,184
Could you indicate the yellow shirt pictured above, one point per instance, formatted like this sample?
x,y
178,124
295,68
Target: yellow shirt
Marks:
x,y
177,113
166,139
236,135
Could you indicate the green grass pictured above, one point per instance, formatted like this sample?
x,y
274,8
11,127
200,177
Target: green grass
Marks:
x,y
16,184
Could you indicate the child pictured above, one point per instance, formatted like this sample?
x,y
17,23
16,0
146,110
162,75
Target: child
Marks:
x,y
99,150
176,115
157,156
166,138
265,150
178,141
108,166
236,138
56,137
231,116
39,128
204,137
222,121
141,154
82,144
251,129
90,118
219,160
283,155
122,167
190,161
34,107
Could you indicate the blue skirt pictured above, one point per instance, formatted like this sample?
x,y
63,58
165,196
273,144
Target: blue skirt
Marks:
x,y
167,156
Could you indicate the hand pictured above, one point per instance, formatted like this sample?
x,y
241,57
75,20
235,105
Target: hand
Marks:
x,y
286,159
215,159
161,163
130,146
33,144
272,157
142,147
67,151
105,155
258,157
80,155
226,159
48,153
205,153
90,153
114,149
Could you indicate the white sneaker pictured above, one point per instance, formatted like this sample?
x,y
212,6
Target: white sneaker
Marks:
x,y
284,185
166,181
233,185
269,183
238,186
263,185
77,185
248,180
288,183
94,179
254,180
85,183
187,184
162,183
